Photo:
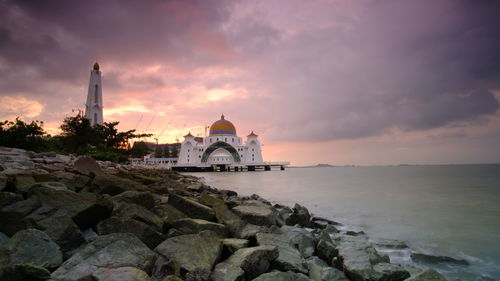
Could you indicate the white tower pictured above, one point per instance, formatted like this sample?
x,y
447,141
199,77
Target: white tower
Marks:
x,y
93,107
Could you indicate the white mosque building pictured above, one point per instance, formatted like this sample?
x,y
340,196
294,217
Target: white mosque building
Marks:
x,y
221,150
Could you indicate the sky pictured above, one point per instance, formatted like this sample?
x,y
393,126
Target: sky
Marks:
x,y
344,82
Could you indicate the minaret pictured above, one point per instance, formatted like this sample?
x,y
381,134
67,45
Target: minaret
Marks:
x,y
93,107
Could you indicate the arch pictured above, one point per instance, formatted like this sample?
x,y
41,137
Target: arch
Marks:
x,y
220,144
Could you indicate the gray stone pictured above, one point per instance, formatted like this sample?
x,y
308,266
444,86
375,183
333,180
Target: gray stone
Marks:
x,y
391,244
389,272
142,198
194,252
12,216
320,271
227,272
301,238
24,272
190,226
256,212
120,274
231,245
23,183
430,259
139,213
87,165
325,247
108,251
113,185
191,208
282,276
32,246
89,234
254,260
299,216
146,233
3,238
53,184
289,257
7,198
244,230
428,275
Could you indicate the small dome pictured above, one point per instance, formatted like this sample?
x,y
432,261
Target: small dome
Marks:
x,y
96,66
222,127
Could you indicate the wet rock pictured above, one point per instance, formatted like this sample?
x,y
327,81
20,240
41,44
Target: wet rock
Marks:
x,y
354,233
12,216
86,209
231,245
256,212
389,272
58,226
301,238
113,185
146,233
7,198
428,275
320,271
430,259
190,226
282,276
227,272
86,165
196,253
299,216
325,247
254,260
289,257
191,208
391,244
107,251
120,274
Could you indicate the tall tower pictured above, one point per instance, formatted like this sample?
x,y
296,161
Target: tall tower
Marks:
x,y
93,107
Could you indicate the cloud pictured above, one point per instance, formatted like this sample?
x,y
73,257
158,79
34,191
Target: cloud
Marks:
x,y
12,107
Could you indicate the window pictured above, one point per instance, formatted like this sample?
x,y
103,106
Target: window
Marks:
x,y
188,150
241,156
252,149
233,139
225,139
95,93
95,118
217,139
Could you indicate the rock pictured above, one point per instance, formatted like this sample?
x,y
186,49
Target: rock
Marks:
x,y
58,226
7,198
23,183
289,257
424,258
282,276
326,248
190,226
89,234
120,274
389,272
231,245
330,229
195,253
138,213
24,272
301,238
146,233
141,198
113,185
76,183
354,233
191,208
299,216
86,209
3,238
227,272
53,184
256,212
86,165
254,260
12,216
244,230
107,251
428,275
391,244
169,213
34,247
320,271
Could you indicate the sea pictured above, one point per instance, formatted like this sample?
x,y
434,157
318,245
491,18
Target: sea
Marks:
x,y
443,210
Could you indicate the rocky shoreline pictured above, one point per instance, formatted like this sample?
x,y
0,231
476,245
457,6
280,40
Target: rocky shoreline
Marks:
x,y
68,218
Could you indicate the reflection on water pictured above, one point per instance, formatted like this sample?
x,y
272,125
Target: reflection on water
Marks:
x,y
447,210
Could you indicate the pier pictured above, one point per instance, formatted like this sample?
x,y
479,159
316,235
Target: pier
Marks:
x,y
264,166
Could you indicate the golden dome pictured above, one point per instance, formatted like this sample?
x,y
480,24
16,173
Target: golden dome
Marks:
x,y
222,127
96,66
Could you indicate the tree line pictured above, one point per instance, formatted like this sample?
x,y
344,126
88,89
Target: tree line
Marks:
x,y
78,136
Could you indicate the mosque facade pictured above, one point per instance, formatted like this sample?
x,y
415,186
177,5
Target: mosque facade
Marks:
x,y
222,149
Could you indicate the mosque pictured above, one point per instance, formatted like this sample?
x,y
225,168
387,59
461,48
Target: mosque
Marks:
x,y
221,150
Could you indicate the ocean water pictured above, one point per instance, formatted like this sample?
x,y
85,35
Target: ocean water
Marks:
x,y
451,210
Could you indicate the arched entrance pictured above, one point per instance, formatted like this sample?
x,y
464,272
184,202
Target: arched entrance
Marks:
x,y
220,146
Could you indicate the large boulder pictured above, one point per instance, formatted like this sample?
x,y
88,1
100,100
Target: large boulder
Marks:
x,y
28,255
113,185
86,209
231,245
325,247
126,273
389,272
190,226
227,272
256,212
13,216
320,271
289,257
430,259
428,275
195,253
300,238
282,276
139,213
299,216
86,165
7,198
142,198
146,233
107,251
191,208
254,260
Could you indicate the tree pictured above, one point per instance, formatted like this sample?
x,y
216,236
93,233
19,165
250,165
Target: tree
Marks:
x,y
20,134
139,149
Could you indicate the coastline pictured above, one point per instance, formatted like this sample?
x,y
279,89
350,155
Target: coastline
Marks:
x,y
162,225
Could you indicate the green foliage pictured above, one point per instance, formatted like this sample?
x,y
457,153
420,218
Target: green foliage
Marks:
x,y
20,134
139,149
